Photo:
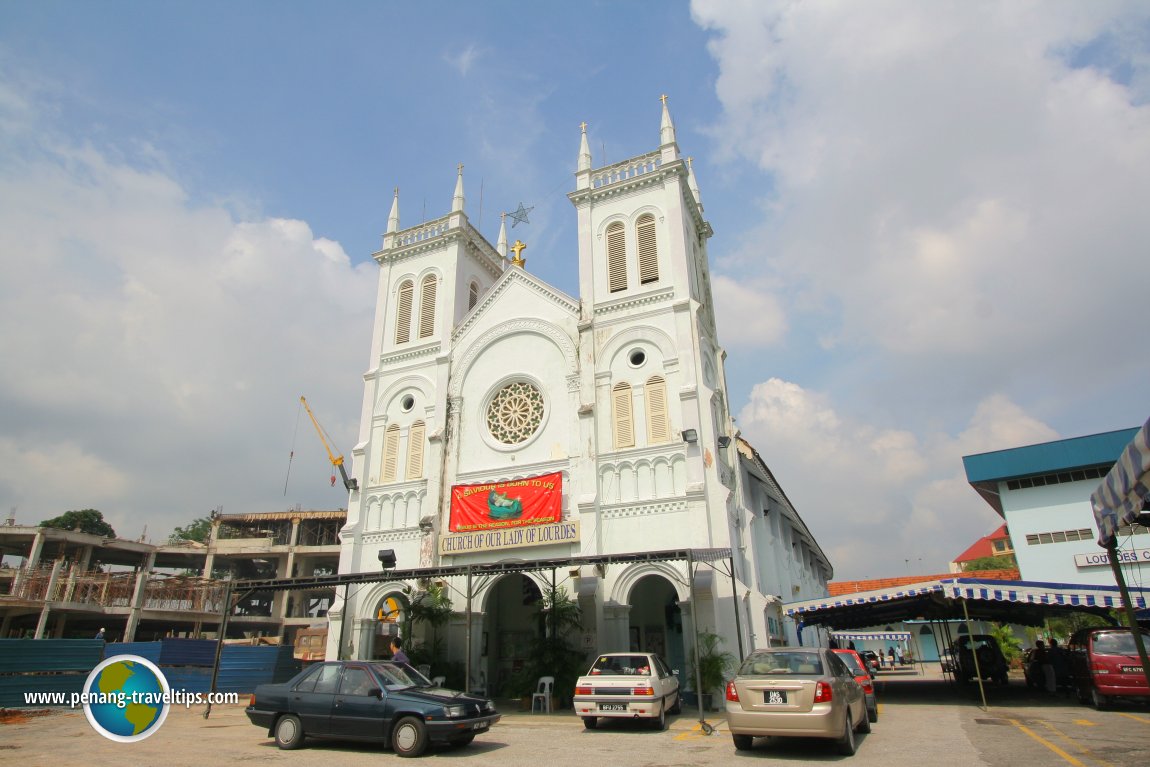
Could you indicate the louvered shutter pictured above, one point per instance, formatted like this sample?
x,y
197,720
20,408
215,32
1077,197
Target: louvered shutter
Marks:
x,y
648,252
616,258
658,431
623,421
473,295
427,308
403,312
415,442
390,468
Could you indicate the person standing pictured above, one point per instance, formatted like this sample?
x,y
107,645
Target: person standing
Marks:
x,y
397,653
100,634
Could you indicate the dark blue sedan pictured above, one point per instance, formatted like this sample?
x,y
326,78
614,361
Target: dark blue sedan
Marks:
x,y
381,702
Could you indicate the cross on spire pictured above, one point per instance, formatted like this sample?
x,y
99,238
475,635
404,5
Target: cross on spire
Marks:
x,y
583,126
663,98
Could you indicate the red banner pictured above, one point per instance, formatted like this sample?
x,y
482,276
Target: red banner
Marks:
x,y
515,503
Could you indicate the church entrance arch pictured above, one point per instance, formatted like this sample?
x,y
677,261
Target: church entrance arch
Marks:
x,y
390,616
511,624
656,621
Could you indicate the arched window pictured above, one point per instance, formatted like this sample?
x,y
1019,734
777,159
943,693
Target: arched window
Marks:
x,y
390,470
415,443
648,252
616,258
403,312
473,295
427,307
623,422
658,429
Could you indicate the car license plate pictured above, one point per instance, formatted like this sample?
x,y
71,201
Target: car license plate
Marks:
x,y
479,726
776,697
1132,669
612,706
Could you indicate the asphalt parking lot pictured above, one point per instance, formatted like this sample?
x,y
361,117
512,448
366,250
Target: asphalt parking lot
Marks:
x,y
923,719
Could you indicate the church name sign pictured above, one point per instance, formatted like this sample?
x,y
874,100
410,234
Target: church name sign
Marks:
x,y
1099,558
489,540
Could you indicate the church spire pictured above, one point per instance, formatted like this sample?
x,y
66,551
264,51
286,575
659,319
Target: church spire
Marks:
x,y
667,144
584,150
393,217
457,200
501,244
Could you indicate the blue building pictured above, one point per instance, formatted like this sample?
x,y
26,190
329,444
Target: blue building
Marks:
x,y
1043,494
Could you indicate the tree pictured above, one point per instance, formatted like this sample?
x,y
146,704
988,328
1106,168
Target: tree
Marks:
x,y
198,530
86,521
1000,562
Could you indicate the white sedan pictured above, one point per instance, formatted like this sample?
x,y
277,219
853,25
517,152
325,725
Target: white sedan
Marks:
x,y
627,685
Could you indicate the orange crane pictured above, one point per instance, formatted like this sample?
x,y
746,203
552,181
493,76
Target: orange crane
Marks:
x,y
350,483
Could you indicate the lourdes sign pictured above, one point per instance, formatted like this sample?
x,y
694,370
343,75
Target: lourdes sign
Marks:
x,y
503,515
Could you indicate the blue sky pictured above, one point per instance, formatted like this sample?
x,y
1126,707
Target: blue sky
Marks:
x,y
929,231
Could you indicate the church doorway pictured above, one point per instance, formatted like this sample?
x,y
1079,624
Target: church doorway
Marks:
x,y
656,622
512,623
390,614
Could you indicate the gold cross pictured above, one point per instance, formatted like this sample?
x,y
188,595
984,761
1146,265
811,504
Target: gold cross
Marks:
x,y
583,126
663,98
518,248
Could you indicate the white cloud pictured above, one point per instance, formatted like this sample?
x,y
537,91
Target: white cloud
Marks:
x,y
154,351
465,59
748,316
855,485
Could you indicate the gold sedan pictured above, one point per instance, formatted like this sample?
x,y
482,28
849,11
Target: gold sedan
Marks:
x,y
805,692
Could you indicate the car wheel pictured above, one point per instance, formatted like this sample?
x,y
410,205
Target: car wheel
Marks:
x,y
464,741
864,721
1100,701
409,738
872,712
589,722
289,732
743,742
846,743
660,722
678,707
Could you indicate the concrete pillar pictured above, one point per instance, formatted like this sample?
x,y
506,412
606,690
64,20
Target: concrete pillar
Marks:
x,y
138,597
5,626
49,593
615,631
31,564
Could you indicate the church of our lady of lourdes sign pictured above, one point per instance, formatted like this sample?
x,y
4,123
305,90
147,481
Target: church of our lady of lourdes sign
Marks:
x,y
507,515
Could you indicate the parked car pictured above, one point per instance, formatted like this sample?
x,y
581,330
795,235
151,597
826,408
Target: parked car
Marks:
x,y
870,658
389,703
805,692
627,685
991,663
1105,665
863,677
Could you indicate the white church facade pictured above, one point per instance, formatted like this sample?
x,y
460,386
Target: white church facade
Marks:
x,y
505,420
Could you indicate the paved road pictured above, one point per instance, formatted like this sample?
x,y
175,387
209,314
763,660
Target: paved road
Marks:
x,y
922,720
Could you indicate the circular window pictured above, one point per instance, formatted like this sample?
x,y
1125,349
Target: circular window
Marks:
x,y
407,403
515,413
637,358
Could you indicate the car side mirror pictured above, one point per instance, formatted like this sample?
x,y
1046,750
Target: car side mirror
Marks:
x,y
375,692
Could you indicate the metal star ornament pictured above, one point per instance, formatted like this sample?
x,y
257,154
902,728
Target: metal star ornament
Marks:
x,y
520,216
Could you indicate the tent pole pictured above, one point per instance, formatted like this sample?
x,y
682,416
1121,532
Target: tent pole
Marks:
x,y
695,628
735,602
974,657
467,665
1132,620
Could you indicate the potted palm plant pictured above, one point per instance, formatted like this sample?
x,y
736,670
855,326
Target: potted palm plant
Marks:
x,y
714,665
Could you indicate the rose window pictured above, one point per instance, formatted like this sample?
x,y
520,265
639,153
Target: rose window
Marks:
x,y
515,413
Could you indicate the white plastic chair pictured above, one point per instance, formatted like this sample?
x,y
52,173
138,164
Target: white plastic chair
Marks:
x,y
543,694
438,680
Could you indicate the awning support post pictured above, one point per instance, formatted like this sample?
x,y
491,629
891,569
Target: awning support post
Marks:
x,y
1131,618
974,657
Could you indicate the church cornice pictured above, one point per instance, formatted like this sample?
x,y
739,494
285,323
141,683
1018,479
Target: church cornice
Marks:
x,y
624,510
406,354
436,235
633,301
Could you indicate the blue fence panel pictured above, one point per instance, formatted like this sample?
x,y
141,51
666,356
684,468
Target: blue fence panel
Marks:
x,y
188,678
23,655
242,669
188,652
13,687
147,650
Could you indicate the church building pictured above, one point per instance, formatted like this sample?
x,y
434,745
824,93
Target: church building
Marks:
x,y
505,420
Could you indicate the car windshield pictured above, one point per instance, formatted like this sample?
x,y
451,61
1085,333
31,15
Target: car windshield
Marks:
x,y
396,676
1116,643
622,665
792,663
